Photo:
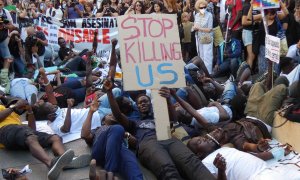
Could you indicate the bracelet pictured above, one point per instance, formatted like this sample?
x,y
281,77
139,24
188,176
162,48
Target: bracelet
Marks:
x,y
46,84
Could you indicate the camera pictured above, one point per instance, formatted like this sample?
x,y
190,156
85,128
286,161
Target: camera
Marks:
x,y
74,3
107,11
152,3
3,20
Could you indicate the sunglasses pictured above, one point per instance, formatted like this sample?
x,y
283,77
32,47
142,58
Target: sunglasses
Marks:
x,y
202,7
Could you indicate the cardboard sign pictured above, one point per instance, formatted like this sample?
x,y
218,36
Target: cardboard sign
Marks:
x,y
272,48
150,52
265,4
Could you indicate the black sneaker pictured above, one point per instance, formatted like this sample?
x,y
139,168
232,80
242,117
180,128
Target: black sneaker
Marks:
x,y
59,163
79,162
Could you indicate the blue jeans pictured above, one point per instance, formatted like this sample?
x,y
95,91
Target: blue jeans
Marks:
x,y
263,63
77,89
228,66
229,91
19,65
110,152
182,93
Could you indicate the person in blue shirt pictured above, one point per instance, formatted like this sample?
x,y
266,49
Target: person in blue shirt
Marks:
x,y
229,55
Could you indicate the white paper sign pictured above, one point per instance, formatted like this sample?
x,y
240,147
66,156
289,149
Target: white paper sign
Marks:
x,y
272,48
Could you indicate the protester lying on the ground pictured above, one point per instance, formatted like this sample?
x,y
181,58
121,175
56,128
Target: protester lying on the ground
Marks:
x,y
289,69
245,134
94,174
243,74
240,165
294,52
228,57
108,147
15,136
262,103
164,158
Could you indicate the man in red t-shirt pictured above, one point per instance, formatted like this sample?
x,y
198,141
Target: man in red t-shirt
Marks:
x,y
235,8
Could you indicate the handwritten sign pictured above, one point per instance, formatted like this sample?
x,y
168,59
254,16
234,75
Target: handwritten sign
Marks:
x,y
265,4
272,48
150,52
151,58
52,34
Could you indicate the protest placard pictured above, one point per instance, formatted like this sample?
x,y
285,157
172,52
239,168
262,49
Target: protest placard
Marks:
x,y
272,48
151,58
265,4
81,32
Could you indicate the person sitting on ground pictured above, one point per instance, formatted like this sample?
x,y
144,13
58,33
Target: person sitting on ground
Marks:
x,y
15,136
228,57
71,62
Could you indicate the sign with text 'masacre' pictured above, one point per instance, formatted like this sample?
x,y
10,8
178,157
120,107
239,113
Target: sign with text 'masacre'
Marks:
x,y
150,52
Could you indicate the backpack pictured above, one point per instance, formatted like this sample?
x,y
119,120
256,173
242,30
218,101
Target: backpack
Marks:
x,y
293,113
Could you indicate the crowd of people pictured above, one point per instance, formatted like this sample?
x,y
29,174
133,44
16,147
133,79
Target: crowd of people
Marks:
x,y
219,40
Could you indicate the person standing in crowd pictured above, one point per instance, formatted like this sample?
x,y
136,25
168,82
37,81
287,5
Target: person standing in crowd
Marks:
x,y
247,37
137,8
293,20
73,10
114,4
186,41
273,23
106,10
234,8
204,37
88,10
12,10
5,26
157,7
40,41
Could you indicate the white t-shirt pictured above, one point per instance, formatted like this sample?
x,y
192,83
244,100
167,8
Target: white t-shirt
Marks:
x,y
239,165
211,115
293,76
292,52
78,117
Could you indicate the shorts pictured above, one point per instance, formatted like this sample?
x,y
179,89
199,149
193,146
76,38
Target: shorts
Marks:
x,y
13,137
247,37
4,51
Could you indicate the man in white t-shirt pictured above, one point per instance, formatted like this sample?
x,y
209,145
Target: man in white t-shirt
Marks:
x,y
294,52
239,165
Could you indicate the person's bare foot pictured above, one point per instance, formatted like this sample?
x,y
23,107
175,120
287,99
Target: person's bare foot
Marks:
x,y
93,170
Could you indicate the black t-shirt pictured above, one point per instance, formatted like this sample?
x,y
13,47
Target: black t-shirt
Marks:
x,y
273,29
144,128
245,11
63,52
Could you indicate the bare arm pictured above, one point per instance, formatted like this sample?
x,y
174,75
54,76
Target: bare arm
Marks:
x,y
190,109
86,133
48,87
68,121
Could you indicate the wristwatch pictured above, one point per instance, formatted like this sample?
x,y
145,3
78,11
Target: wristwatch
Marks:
x,y
12,107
